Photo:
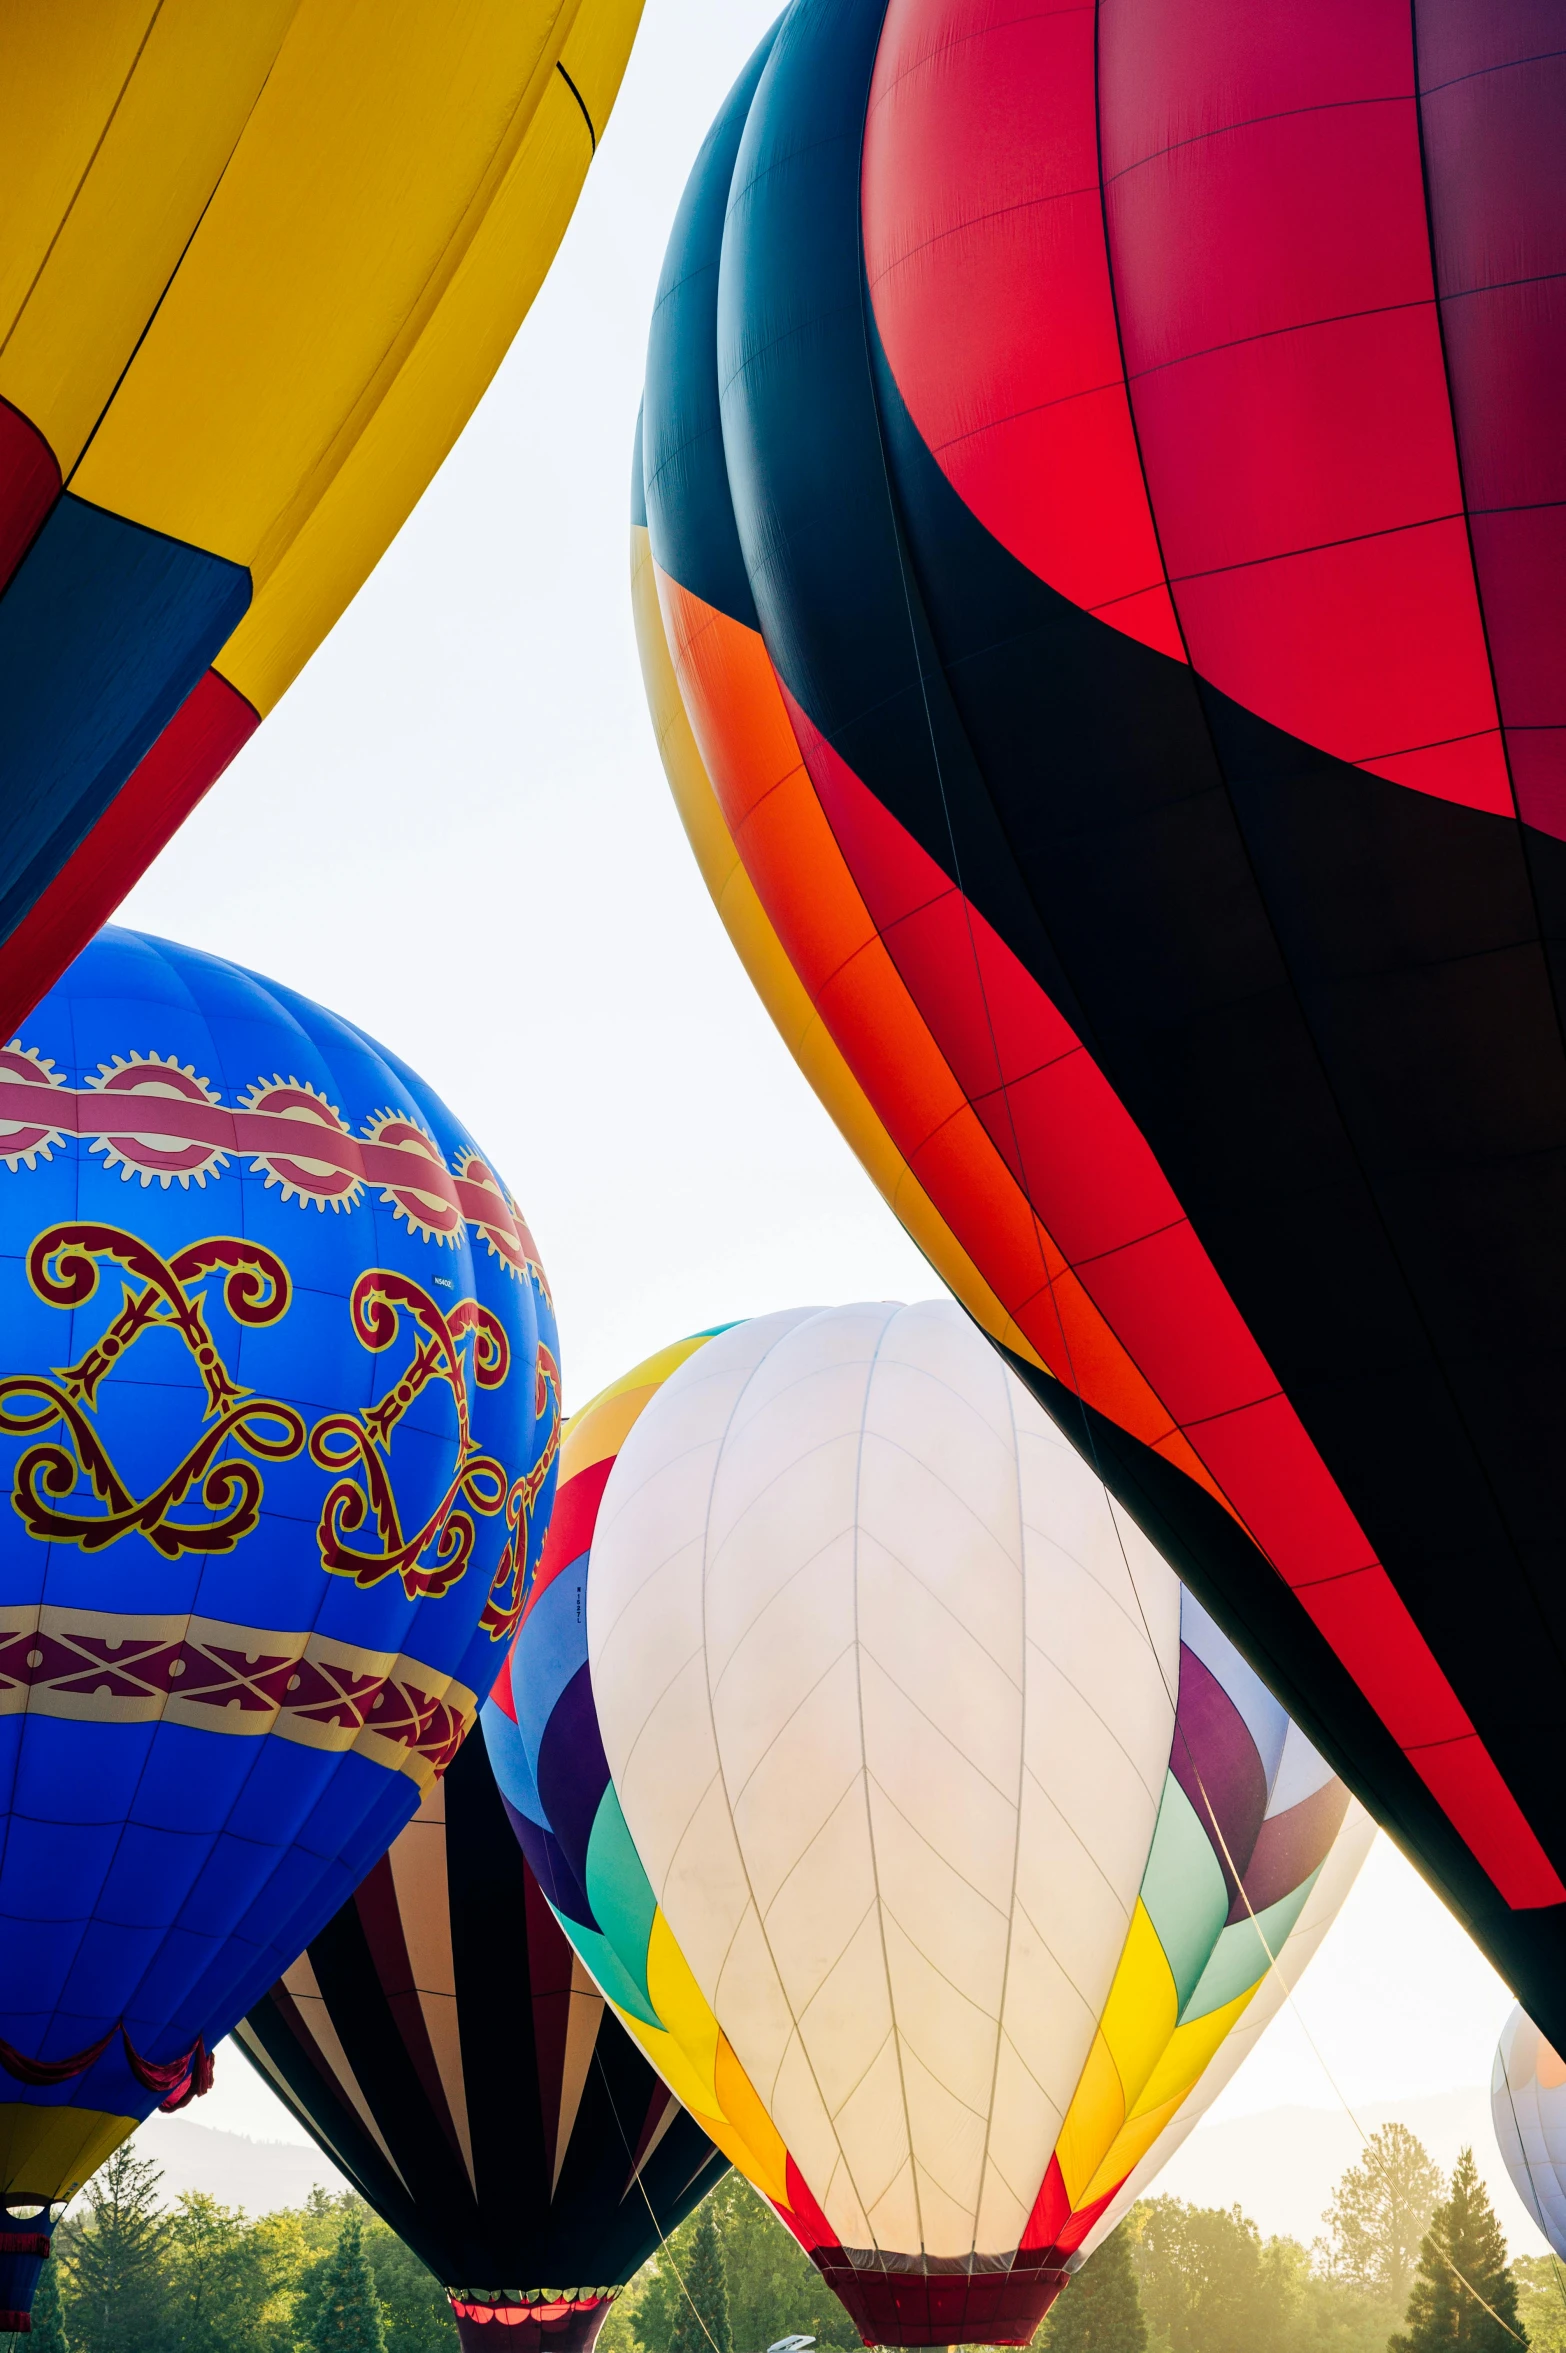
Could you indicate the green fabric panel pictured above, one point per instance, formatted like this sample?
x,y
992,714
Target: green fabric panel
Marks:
x,y
623,1903
1240,1959
1183,1890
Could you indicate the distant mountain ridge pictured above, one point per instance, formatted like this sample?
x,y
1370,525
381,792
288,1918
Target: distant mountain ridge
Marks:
x,y
1282,2164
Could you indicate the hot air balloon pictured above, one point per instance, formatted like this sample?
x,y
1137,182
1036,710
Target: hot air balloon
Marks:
x,y
1102,592
259,261
1528,2105
278,1437
454,2059
934,1845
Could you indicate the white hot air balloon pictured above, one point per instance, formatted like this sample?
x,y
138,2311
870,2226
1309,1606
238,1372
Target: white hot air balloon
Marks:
x,y
932,1841
1528,2105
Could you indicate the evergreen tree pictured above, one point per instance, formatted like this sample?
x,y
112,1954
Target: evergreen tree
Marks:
x,y
116,2260
706,2288
1464,2300
342,2311
48,2330
1379,2215
1100,2310
217,2286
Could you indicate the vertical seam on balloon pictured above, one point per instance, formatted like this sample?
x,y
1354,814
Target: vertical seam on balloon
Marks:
x,y
82,179
1457,447
152,315
581,101
1199,686
706,1538
1120,341
875,1867
1007,1377
1473,563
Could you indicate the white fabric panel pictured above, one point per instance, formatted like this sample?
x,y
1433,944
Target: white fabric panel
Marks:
x,y
1337,1875
1528,2105
886,1689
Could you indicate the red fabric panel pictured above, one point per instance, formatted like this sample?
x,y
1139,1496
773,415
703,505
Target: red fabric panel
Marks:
x,y
1467,1785
571,1524
984,250
1270,256
29,486
1493,104
148,810
1170,1313
1051,2211
549,1991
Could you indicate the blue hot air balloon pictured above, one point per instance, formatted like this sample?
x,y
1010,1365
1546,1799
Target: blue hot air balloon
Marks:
x,y
279,1410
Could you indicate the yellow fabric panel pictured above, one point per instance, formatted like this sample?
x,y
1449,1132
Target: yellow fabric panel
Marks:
x,y
599,1427
367,170
1171,2083
50,2152
695,2060
1190,2048
1095,2116
778,985
1143,2008
315,562
116,122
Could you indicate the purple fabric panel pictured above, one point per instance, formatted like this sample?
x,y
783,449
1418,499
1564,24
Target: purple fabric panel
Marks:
x,y
1214,1760
1493,117
1290,1847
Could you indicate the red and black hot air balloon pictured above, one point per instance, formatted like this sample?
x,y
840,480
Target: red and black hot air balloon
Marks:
x,y
449,2054
1105,486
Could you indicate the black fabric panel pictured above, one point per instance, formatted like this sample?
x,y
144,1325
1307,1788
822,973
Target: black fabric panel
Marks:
x,y
598,2227
1255,1609
1321,996
689,517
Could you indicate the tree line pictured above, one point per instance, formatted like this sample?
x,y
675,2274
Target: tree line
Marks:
x,y
1406,2263
131,2275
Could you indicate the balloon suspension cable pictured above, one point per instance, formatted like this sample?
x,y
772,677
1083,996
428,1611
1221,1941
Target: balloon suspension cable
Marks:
x,y
1555,2261
664,2247
1074,1384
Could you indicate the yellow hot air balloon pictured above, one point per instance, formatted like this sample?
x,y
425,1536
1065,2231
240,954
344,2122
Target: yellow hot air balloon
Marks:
x,y
258,260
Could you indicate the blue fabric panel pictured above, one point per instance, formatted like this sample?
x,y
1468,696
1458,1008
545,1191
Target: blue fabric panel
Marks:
x,y
104,630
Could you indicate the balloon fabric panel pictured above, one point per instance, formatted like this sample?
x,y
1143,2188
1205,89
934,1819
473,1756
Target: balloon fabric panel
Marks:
x,y
1528,2108
448,2052
259,264
279,1426
1195,964
701,1949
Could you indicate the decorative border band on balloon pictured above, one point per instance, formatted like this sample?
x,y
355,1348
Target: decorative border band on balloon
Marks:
x,y
103,1667
183,1134
512,2306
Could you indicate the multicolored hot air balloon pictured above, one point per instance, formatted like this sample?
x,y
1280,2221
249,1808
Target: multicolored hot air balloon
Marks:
x,y
259,260
933,1844
1528,2105
453,2058
1102,601
279,1415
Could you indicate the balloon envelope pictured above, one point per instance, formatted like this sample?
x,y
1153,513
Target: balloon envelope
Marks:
x,y
1528,2105
1104,572
930,1840
278,1436
453,2058
259,259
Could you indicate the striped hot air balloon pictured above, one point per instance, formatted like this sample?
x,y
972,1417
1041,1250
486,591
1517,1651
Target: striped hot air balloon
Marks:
x,y
451,2055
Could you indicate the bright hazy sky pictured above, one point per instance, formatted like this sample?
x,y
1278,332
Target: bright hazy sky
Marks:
x,y
455,830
